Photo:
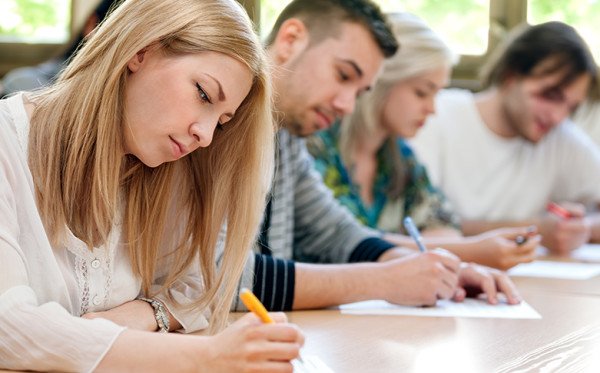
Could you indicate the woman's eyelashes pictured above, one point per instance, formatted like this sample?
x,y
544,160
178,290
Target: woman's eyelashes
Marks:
x,y
202,93
204,97
420,93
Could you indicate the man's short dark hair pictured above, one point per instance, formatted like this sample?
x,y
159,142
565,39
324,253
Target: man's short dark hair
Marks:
x,y
556,45
323,19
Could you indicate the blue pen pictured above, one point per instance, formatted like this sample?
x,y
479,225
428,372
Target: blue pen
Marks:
x,y
414,233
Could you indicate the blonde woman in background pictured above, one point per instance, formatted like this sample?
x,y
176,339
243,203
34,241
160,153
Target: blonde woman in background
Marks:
x,y
373,171
114,184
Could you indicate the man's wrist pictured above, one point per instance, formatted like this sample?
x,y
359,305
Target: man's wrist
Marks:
x,y
369,250
395,253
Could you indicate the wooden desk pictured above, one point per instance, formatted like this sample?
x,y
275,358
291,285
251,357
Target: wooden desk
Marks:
x,y
583,287
568,333
566,339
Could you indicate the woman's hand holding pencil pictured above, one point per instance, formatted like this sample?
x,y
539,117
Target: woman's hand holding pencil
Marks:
x,y
504,248
257,342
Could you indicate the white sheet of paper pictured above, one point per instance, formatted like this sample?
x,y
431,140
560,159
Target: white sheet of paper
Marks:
x,y
561,270
445,308
587,253
310,364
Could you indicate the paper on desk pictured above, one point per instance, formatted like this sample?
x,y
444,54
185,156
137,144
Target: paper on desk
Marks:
x,y
311,364
445,308
560,270
587,253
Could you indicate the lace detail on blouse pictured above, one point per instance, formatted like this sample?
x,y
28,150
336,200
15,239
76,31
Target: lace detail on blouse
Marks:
x,y
84,285
107,271
94,271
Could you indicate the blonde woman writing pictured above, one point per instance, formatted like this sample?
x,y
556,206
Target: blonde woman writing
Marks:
x,y
114,184
374,172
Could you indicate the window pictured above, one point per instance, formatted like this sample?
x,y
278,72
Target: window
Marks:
x,y
35,21
269,10
474,27
464,24
581,14
448,18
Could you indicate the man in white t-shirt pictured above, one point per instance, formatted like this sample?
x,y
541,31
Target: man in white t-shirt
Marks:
x,y
587,117
503,154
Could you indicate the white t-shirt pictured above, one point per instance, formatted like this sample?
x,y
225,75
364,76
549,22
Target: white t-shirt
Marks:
x,y
587,117
44,290
487,177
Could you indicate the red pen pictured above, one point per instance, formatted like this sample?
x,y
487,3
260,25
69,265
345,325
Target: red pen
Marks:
x,y
558,210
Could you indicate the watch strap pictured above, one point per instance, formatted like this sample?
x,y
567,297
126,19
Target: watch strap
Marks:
x,y
160,313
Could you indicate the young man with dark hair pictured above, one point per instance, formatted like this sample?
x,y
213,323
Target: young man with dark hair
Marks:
x,y
313,252
503,154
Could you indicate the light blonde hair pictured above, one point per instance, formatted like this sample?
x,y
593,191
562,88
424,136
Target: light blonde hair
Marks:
x,y
421,50
84,182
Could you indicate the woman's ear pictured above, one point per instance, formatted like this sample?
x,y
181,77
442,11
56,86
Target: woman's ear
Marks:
x,y
136,61
292,38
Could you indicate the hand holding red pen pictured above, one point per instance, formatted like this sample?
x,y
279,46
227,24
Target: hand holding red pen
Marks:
x,y
564,228
564,212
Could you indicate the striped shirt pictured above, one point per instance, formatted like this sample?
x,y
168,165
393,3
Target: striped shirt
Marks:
x,y
303,222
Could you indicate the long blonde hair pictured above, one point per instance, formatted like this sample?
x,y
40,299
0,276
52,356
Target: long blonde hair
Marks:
x,y
84,182
421,50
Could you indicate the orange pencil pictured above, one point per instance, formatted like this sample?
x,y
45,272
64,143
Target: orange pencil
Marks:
x,y
253,304
256,307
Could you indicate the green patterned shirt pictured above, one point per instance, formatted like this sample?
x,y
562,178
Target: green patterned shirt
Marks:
x,y
419,199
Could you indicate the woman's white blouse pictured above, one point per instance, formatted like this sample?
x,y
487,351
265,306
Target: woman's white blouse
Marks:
x,y
44,290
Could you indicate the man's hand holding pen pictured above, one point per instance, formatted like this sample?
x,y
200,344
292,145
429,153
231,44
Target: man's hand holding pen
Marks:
x,y
564,228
